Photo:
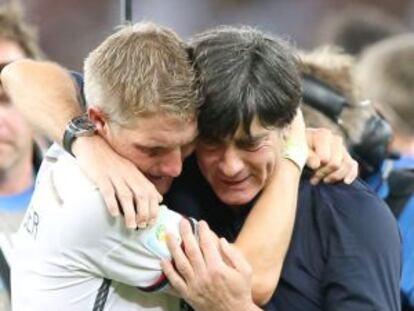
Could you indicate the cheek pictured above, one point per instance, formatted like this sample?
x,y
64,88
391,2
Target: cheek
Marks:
x,y
18,127
142,161
264,162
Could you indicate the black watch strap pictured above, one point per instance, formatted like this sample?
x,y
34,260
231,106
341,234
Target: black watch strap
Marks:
x,y
68,139
77,127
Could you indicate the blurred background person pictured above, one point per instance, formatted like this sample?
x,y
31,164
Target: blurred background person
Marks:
x,y
83,24
18,152
20,156
332,99
357,27
385,74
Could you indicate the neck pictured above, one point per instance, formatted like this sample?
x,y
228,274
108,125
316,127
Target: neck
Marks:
x,y
17,179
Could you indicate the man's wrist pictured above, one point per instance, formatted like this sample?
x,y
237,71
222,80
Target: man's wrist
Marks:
x,y
79,126
84,143
297,153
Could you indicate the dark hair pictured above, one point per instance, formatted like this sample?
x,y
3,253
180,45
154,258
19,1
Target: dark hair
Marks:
x,y
243,74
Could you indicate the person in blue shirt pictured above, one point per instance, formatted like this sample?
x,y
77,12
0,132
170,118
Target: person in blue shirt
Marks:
x,y
368,136
391,91
390,62
19,156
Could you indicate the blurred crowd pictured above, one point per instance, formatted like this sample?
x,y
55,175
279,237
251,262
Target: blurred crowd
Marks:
x,y
358,82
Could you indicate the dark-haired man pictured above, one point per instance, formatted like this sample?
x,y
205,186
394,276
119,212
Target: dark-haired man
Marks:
x,y
335,261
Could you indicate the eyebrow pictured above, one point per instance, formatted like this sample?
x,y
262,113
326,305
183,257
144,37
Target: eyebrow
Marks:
x,y
139,146
163,146
252,138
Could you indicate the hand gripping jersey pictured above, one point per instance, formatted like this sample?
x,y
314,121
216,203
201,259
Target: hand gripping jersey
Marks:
x,y
71,254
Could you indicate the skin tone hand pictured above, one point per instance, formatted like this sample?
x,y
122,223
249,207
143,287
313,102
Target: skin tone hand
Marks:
x,y
327,154
329,158
212,276
124,188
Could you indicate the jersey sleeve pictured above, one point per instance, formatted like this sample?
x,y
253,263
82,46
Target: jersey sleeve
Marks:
x,y
363,266
102,245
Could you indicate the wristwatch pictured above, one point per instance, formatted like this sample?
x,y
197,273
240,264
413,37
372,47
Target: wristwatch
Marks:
x,y
77,127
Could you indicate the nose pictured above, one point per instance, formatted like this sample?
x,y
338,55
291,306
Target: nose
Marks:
x,y
172,163
230,164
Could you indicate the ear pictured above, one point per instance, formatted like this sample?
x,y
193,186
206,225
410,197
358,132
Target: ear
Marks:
x,y
99,118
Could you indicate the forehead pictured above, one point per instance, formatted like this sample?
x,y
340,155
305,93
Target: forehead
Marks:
x,y
257,131
163,130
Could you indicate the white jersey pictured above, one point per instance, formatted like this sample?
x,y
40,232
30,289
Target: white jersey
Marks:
x,y
71,254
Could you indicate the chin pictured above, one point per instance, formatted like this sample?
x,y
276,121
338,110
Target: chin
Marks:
x,y
163,186
236,199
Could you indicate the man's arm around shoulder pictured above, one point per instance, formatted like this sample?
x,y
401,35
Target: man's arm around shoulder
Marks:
x,y
44,93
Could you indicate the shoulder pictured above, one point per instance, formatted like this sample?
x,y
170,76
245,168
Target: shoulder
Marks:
x,y
351,214
356,198
63,190
68,179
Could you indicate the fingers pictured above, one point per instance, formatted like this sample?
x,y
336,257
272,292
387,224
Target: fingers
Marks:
x,y
174,278
142,207
181,262
347,172
353,172
313,161
125,200
108,193
138,200
138,206
321,143
153,210
124,188
208,245
191,248
146,197
334,163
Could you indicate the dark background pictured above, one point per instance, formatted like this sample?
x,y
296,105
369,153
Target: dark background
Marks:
x,y
68,29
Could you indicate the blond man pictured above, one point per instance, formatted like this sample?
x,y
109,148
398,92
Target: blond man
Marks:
x,y
70,253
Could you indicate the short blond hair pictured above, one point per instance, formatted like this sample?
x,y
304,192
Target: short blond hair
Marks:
x,y
140,69
14,28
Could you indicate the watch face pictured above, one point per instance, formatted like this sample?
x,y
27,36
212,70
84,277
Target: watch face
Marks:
x,y
82,126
